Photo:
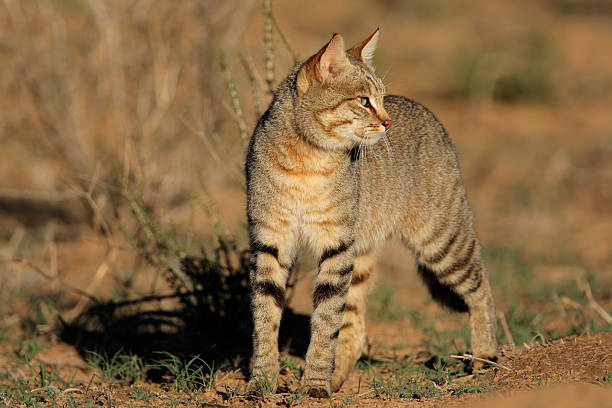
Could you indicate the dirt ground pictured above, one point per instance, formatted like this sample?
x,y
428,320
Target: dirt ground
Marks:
x,y
563,372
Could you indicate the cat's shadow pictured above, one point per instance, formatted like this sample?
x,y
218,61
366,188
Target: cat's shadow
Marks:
x,y
212,322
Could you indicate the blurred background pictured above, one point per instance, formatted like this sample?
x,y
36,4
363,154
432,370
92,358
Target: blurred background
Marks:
x,y
123,126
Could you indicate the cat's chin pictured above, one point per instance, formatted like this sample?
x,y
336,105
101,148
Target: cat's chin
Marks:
x,y
371,139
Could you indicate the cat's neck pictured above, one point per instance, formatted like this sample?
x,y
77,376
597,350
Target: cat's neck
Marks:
x,y
287,136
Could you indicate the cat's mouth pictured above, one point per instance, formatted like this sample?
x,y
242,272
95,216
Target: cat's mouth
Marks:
x,y
367,136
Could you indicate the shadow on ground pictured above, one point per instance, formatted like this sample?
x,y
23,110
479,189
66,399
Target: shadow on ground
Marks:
x,y
211,318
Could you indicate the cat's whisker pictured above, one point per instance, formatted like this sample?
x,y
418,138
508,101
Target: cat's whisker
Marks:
x,y
359,154
365,153
388,146
384,77
374,152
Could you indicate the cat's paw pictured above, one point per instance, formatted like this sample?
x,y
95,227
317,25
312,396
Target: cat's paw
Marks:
x,y
336,382
315,391
253,390
315,388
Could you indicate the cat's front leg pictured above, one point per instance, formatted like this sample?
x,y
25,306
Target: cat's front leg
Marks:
x,y
329,301
272,252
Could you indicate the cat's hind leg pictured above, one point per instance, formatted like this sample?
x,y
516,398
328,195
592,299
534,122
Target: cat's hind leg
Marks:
x,y
449,262
352,337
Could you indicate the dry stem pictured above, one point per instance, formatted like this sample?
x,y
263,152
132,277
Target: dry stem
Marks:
x,y
471,357
46,275
506,328
593,304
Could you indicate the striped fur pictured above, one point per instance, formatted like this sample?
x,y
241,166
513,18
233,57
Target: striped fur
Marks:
x,y
318,177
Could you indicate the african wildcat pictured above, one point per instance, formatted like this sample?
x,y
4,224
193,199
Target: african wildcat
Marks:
x,y
316,176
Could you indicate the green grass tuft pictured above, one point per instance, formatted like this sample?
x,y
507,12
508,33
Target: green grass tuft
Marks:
x,y
605,379
266,385
469,389
401,385
188,376
122,368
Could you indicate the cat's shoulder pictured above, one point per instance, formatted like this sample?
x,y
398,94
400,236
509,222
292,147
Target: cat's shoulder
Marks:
x,y
404,109
404,105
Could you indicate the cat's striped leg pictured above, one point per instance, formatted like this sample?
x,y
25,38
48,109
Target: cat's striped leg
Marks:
x,y
352,336
270,264
450,264
329,302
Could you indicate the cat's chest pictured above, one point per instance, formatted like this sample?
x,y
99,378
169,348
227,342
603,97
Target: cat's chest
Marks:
x,y
298,180
310,182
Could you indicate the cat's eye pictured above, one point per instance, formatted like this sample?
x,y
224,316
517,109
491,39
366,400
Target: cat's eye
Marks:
x,y
364,101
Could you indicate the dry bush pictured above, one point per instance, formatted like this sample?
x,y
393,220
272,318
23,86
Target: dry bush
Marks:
x,y
118,93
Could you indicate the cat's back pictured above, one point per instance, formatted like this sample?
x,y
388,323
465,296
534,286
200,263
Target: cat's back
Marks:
x,y
409,173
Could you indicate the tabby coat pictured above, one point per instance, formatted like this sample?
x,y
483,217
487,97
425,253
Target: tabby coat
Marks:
x,y
318,176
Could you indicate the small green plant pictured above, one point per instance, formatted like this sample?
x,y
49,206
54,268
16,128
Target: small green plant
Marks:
x,y
193,375
287,364
266,385
348,400
234,391
41,386
426,391
172,402
123,368
439,375
605,379
291,400
468,389
141,394
543,382
400,387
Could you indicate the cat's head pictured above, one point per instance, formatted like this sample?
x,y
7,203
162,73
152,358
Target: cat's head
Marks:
x,y
339,97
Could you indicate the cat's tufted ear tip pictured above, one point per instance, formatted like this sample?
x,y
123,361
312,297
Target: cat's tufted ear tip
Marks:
x,y
336,42
365,49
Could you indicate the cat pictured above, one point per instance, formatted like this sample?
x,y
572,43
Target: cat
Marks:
x,y
338,166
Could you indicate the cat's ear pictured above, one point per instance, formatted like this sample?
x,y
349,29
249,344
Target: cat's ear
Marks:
x,y
324,65
365,49
333,60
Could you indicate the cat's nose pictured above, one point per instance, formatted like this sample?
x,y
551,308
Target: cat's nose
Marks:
x,y
387,124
